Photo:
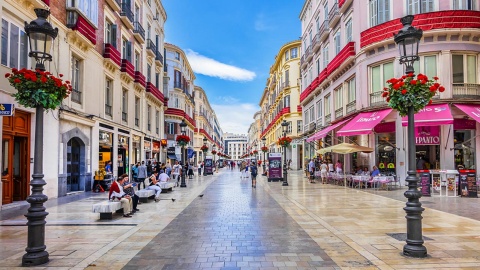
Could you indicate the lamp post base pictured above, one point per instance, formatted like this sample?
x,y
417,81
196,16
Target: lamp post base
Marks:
x,y
415,251
37,258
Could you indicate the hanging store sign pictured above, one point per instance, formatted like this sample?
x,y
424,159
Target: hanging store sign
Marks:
x,y
427,135
7,109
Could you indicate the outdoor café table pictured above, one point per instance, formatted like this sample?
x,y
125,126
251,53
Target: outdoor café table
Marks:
x,y
383,181
360,179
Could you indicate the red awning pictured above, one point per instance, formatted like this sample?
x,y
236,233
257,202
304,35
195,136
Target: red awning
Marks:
x,y
363,123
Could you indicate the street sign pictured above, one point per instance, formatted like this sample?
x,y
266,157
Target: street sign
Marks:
x,y
7,109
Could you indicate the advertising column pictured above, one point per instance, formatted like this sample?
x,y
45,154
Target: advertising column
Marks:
x,y
275,167
208,167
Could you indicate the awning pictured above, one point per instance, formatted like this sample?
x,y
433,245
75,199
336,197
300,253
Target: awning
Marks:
x,y
363,123
322,133
472,110
171,156
432,115
345,148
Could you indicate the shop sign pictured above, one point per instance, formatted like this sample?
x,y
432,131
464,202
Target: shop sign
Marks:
x,y
464,124
7,109
427,135
156,147
163,142
136,139
147,145
105,138
122,142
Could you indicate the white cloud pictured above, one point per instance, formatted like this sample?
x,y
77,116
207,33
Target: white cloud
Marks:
x,y
211,67
236,120
261,24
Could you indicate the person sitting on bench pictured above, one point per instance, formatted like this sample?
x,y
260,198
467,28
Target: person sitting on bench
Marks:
x,y
116,193
154,185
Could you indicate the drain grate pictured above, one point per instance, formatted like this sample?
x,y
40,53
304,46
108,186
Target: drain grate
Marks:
x,y
403,236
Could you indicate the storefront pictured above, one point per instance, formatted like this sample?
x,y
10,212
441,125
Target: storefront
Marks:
x,y
122,155
105,151
147,148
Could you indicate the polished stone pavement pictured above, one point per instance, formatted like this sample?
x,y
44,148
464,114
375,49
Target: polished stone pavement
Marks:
x,y
302,226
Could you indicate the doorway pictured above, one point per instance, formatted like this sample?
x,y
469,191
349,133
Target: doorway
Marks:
x,y
74,148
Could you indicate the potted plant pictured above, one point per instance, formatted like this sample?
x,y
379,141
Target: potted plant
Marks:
x,y
409,90
183,140
264,149
204,148
38,88
284,141
214,152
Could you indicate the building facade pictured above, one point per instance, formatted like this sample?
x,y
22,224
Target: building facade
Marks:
x,y
235,145
280,101
346,61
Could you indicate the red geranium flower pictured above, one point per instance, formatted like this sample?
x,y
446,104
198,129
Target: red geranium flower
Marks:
x,y
441,89
404,91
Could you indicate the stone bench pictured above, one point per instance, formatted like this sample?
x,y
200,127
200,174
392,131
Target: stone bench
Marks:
x,y
166,186
106,209
144,194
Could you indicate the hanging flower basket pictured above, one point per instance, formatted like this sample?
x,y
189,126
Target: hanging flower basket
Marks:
x,y
214,152
408,91
38,88
183,140
284,141
204,148
255,152
259,162
264,149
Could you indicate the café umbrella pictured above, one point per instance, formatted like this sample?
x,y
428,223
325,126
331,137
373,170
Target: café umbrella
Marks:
x,y
345,148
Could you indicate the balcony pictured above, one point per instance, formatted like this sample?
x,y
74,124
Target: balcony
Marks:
x,y
126,15
343,61
343,5
466,90
324,30
351,107
140,79
83,30
151,48
309,53
316,42
138,32
158,58
328,119
111,55
333,15
155,92
339,113
303,62
128,68
115,5
319,123
376,99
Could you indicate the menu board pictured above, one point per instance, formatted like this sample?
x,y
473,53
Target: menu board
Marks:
x,y
468,184
425,184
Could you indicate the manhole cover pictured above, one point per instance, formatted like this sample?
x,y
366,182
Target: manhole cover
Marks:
x,y
403,236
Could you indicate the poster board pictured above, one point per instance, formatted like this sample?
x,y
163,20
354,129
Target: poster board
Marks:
x,y
425,181
208,166
468,184
275,167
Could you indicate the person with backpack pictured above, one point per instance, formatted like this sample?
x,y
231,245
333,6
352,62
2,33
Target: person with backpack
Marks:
x,y
254,172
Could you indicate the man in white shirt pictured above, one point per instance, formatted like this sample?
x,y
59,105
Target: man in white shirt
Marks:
x,y
163,177
177,168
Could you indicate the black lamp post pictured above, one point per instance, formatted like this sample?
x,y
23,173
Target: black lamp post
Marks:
x,y
204,154
284,129
183,127
263,167
213,149
41,35
408,40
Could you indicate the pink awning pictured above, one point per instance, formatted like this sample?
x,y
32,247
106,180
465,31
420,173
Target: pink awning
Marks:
x,y
363,123
432,115
472,110
322,133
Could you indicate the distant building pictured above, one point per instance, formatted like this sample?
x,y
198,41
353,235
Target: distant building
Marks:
x,y
235,145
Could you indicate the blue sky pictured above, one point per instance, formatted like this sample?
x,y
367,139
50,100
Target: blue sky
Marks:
x,y
231,45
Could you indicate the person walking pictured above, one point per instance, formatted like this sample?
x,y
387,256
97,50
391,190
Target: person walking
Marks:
x,y
323,172
135,172
242,169
141,175
199,168
254,173
177,168
311,170
190,171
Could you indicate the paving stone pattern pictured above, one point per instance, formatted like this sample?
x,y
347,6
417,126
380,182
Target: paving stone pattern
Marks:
x,y
232,227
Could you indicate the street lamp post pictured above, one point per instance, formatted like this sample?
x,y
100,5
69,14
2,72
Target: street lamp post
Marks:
x,y
408,40
204,154
213,149
183,127
263,167
284,129
41,35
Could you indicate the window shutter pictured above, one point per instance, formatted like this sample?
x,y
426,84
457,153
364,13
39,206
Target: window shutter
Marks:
x,y
114,35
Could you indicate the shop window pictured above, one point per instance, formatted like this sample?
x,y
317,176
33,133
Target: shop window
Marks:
x,y
464,149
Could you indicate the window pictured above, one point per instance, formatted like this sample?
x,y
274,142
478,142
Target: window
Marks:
x,y
149,118
286,101
149,72
327,105
379,75
89,8
325,10
426,65
177,55
149,30
299,126
464,4
137,61
311,111
157,121
14,46
351,90
379,11
287,55
137,111
336,41
127,50
108,97
76,87
419,6
325,56
338,98
464,68
317,23
176,103
170,128
348,31
125,105
319,109
287,77
294,53
111,33
137,14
